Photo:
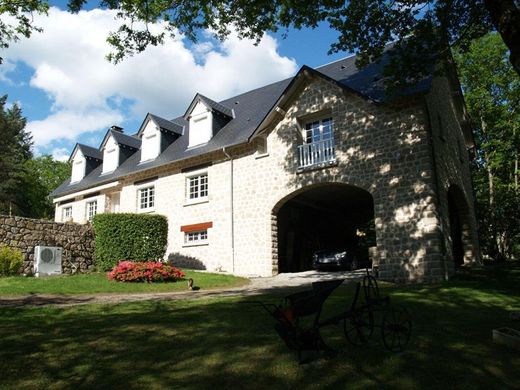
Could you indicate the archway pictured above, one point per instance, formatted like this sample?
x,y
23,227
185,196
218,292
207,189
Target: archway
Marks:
x,y
460,234
319,217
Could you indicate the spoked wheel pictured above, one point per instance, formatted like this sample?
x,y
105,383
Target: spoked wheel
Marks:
x,y
359,326
396,328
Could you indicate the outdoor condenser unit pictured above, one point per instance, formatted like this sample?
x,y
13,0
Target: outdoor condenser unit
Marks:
x,y
47,260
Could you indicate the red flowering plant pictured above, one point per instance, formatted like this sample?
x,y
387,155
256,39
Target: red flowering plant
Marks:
x,y
146,271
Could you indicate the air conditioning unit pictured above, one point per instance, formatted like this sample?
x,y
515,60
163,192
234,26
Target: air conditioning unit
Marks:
x,y
47,260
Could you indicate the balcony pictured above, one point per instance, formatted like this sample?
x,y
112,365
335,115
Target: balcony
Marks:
x,y
316,154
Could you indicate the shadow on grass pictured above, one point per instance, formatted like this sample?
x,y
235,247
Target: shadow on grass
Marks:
x,y
221,343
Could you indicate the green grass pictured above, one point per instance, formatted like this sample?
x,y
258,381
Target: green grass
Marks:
x,y
223,343
98,283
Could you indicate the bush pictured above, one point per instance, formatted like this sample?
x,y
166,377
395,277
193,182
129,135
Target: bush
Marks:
x,y
11,260
134,237
129,271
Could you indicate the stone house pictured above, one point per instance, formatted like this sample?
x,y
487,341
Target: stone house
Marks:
x,y
254,184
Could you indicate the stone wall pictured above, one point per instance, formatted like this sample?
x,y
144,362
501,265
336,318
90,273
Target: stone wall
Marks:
x,y
76,240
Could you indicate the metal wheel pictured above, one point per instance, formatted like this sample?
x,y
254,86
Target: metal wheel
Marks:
x,y
359,326
396,328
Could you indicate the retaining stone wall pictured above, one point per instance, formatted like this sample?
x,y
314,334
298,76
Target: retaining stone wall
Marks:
x,y
76,240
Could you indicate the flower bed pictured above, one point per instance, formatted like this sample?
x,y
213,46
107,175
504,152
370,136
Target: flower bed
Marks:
x,y
149,271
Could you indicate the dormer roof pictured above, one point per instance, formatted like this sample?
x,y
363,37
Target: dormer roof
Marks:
x,y
120,138
87,151
211,104
163,124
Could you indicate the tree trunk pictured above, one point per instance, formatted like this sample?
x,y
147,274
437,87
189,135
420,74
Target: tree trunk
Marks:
x,y
505,16
491,185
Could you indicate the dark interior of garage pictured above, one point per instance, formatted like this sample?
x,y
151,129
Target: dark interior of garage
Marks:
x,y
331,216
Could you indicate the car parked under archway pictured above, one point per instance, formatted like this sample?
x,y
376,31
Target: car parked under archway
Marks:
x,y
327,217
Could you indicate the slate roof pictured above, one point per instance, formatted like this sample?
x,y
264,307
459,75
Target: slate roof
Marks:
x,y
211,104
250,109
125,139
89,151
167,125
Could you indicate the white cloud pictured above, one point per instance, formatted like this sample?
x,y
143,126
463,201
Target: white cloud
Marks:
x,y
67,124
86,90
60,154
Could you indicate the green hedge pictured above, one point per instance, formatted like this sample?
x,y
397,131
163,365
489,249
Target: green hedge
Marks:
x,y
136,237
11,259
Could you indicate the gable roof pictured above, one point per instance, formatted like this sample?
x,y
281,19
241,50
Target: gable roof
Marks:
x,y
163,124
249,111
121,139
87,151
213,105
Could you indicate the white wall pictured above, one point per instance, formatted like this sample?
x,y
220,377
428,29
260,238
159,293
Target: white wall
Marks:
x,y
151,142
201,125
110,155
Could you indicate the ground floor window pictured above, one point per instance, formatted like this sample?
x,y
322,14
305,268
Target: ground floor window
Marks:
x,y
196,237
91,210
147,198
67,213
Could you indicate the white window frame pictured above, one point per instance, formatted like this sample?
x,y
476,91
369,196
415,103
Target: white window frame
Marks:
x,y
199,237
315,133
90,212
140,192
202,192
66,217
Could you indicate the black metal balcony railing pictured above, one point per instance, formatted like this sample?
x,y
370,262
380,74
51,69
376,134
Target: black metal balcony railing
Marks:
x,y
316,153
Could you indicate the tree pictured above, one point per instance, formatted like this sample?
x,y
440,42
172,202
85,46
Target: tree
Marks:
x,y
43,175
15,150
492,93
421,27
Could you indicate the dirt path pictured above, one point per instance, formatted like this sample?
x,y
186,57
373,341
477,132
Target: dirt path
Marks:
x,y
276,284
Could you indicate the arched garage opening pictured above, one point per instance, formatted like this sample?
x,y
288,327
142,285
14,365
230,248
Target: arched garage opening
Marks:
x,y
460,232
323,217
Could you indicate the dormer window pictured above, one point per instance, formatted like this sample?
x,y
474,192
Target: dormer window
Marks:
x,y
151,143
110,155
201,125
206,117
78,166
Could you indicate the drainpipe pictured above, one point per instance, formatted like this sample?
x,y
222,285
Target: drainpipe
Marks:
x,y
232,210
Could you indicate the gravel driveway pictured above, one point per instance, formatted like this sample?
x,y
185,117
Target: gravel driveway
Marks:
x,y
274,284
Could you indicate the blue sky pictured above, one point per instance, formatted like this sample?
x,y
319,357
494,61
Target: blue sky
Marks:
x,y
69,93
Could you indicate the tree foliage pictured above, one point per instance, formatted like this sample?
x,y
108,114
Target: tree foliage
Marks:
x,y
492,92
15,150
43,175
25,182
421,27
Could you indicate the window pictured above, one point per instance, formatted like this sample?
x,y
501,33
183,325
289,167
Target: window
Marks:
x,y
147,198
198,186
67,213
91,210
320,130
318,147
196,237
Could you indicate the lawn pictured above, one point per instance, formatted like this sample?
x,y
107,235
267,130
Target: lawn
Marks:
x,y
223,343
98,283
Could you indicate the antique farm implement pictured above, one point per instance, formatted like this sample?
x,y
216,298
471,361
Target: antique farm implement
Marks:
x,y
299,317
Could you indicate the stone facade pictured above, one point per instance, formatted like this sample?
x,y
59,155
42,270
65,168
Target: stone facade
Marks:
x,y
391,151
24,234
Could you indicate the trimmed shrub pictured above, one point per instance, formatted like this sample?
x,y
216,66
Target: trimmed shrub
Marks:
x,y
133,237
11,259
129,271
